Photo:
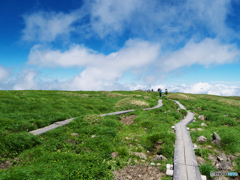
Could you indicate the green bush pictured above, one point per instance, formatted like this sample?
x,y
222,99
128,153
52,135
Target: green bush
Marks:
x,y
16,142
166,150
175,115
230,139
238,163
153,137
122,151
147,124
107,131
205,169
183,112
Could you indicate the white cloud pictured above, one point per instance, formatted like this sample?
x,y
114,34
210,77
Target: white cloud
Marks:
x,y
4,73
206,88
29,79
109,16
149,19
99,68
170,19
209,51
46,26
26,80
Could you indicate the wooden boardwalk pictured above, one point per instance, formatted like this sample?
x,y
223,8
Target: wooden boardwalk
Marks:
x,y
184,164
62,123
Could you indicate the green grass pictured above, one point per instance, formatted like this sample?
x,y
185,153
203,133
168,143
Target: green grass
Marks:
x,y
59,155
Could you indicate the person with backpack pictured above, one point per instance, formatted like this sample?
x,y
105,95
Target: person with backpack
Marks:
x,y
166,91
160,92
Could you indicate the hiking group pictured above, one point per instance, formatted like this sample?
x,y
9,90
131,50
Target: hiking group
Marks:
x,y
160,92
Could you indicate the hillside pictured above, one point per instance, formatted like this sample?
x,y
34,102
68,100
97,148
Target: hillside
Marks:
x,y
94,147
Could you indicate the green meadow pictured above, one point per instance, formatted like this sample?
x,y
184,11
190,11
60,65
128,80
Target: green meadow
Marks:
x,y
58,154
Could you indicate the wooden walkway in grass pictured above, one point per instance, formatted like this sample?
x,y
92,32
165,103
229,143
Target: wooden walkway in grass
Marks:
x,y
185,164
62,123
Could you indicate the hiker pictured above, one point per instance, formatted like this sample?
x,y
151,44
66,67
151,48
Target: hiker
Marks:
x,y
158,89
166,91
152,90
160,92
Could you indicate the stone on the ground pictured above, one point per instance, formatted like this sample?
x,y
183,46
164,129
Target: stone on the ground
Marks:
x,y
199,129
222,157
216,139
135,160
203,124
159,142
169,172
141,155
195,146
202,117
225,115
170,166
129,177
193,129
159,157
158,164
201,139
152,163
200,160
75,134
212,157
93,136
209,147
222,165
231,157
114,154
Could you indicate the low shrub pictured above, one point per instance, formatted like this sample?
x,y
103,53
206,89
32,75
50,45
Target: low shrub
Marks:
x,y
205,169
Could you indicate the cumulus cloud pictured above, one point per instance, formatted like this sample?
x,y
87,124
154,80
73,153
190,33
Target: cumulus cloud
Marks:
x,y
26,80
99,68
47,26
4,73
209,51
206,88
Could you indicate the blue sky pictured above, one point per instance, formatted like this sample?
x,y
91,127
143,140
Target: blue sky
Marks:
x,y
186,45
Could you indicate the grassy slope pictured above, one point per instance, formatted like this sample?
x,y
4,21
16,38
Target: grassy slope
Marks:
x,y
58,155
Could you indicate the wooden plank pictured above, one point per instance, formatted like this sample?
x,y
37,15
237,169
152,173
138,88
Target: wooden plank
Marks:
x,y
193,173
180,172
179,156
185,164
45,129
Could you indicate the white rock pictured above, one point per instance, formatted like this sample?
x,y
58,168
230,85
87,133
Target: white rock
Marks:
x,y
202,117
201,139
170,166
152,163
203,124
169,172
